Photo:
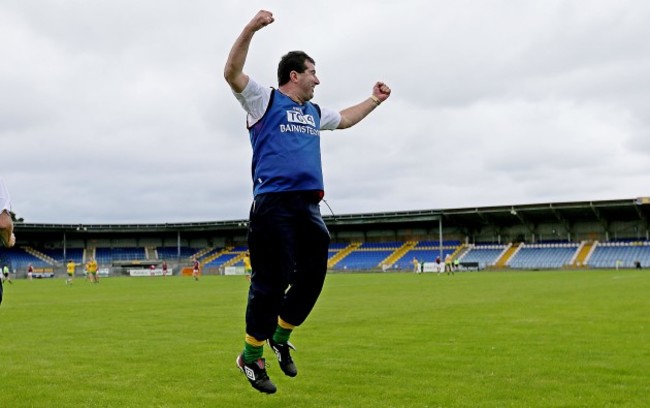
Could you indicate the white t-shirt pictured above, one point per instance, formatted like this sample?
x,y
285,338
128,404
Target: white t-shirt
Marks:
x,y
5,200
255,99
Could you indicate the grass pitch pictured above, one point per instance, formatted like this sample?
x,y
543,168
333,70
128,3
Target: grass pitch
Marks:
x,y
487,339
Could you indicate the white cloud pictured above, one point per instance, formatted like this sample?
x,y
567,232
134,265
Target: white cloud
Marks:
x,y
118,112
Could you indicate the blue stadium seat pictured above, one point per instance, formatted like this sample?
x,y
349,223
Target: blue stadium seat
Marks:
x,y
548,256
608,254
485,255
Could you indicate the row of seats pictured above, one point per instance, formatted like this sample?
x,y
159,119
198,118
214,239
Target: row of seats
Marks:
x,y
422,255
483,255
222,259
380,245
108,255
557,255
18,259
74,254
436,244
173,252
608,255
358,260
553,256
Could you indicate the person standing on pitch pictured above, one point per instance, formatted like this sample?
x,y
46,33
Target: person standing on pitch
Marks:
x,y
287,238
4,277
91,270
248,269
416,265
70,267
196,268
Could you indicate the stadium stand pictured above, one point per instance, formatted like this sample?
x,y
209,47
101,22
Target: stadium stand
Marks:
x,y
395,255
550,256
19,259
226,257
74,254
485,255
359,260
172,252
365,256
436,244
619,254
335,248
588,234
220,260
423,255
106,256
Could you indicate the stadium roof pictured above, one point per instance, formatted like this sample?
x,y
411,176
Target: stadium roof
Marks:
x,y
566,213
635,209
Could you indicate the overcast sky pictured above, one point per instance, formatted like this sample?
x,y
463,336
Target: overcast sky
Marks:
x,y
117,111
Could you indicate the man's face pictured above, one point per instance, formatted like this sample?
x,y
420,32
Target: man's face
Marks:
x,y
307,81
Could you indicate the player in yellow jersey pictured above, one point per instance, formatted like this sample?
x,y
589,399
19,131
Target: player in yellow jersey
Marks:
x,y
248,269
91,268
416,265
70,266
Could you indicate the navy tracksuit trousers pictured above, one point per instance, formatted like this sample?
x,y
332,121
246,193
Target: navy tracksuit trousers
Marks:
x,y
288,243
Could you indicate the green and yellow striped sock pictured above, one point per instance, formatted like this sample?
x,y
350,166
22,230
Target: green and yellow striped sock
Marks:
x,y
282,331
253,349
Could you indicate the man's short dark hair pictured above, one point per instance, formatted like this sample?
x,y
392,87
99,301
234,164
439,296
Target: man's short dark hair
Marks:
x,y
292,61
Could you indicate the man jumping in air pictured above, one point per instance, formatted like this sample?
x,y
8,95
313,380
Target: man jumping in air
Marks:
x,y
287,238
